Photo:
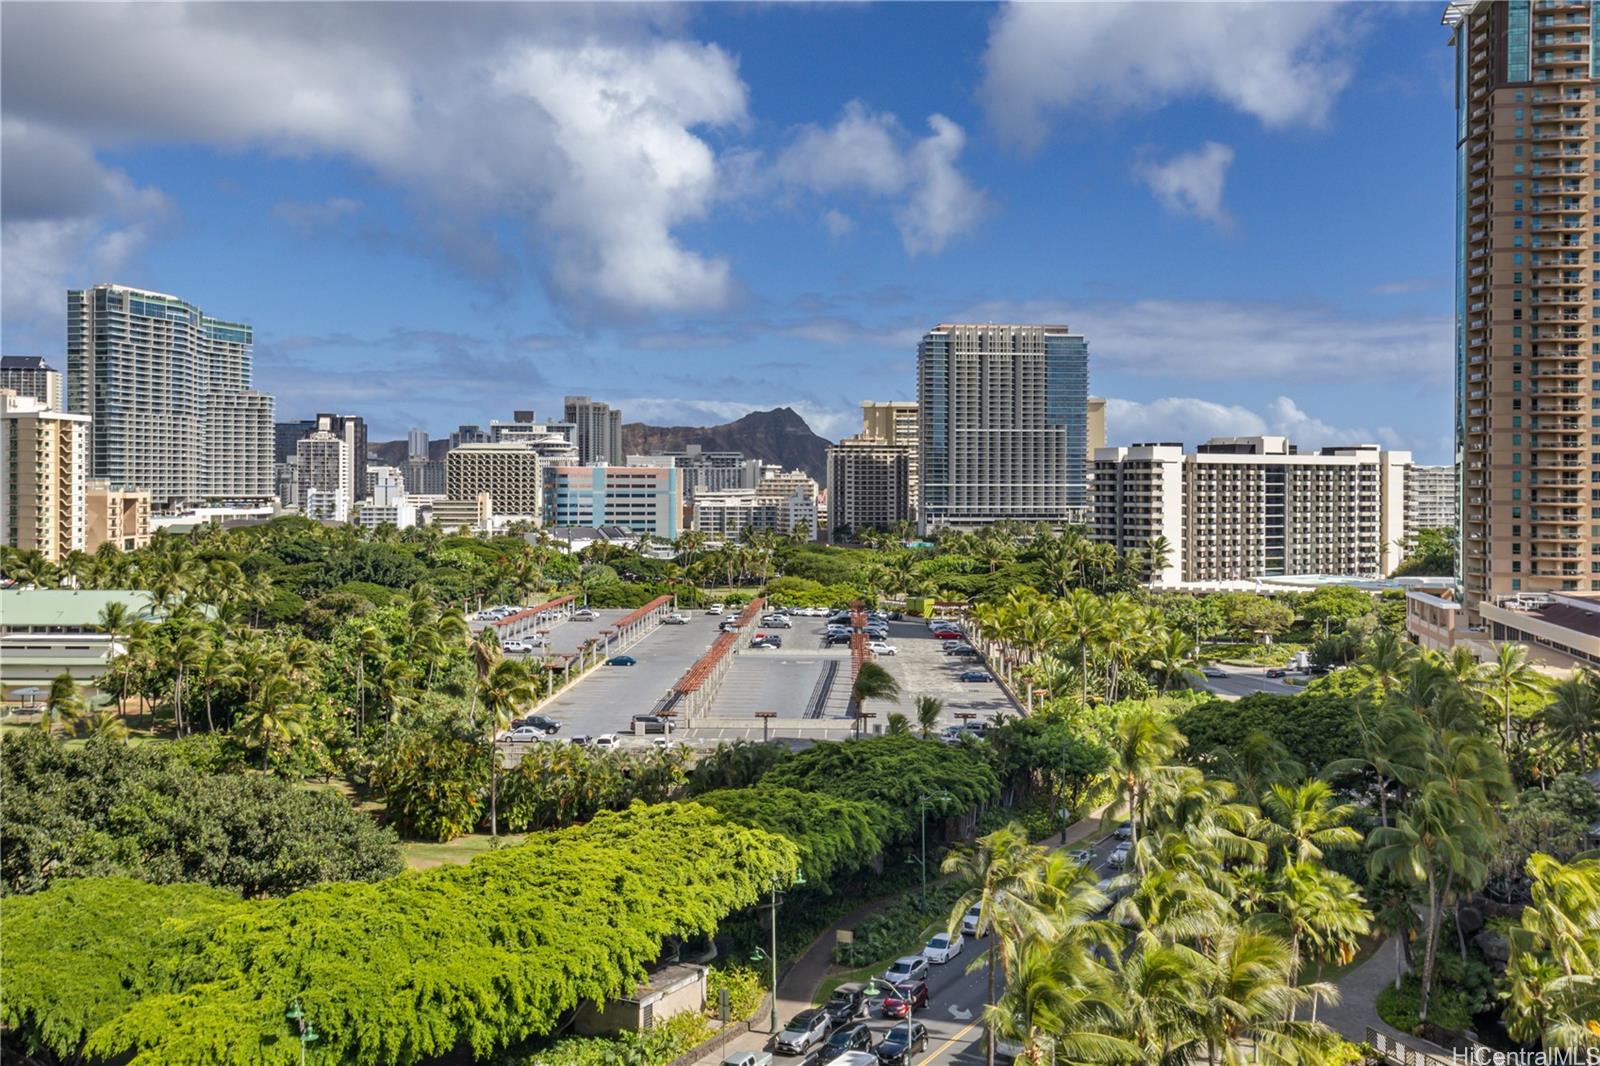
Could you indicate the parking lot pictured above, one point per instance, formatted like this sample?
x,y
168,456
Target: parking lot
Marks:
x,y
923,669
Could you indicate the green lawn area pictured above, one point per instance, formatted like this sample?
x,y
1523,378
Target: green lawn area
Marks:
x,y
420,856
861,973
1333,972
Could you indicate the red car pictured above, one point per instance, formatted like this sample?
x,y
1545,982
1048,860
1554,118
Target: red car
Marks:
x,y
907,995
946,634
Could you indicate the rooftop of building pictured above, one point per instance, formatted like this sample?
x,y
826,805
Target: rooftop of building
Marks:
x,y
24,362
69,608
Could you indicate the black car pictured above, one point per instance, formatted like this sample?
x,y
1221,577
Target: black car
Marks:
x,y
652,723
855,1037
836,638
901,1042
846,1005
537,721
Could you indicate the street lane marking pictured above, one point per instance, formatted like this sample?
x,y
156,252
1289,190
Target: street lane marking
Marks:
x,y
942,1048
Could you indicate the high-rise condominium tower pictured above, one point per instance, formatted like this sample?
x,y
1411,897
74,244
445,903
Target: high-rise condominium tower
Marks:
x,y
599,430
1527,293
43,476
1004,424
30,375
168,392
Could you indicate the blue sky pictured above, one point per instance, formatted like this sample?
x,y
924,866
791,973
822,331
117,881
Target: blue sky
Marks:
x,y
433,214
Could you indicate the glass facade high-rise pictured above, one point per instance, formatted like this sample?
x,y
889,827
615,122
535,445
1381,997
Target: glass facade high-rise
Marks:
x,y
1004,425
168,391
1527,294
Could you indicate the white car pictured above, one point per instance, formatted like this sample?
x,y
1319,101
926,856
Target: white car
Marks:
x,y
969,921
716,608
1119,855
940,623
516,646
907,968
943,947
606,742
583,615
675,620
525,735
878,647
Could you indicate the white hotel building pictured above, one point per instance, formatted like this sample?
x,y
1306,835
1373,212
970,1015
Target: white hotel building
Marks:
x,y
1242,508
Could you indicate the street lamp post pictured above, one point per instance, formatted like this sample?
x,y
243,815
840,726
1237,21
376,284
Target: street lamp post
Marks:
x,y
305,1032
922,803
799,879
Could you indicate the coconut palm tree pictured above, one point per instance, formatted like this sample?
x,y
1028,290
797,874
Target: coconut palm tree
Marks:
x,y
1174,658
928,710
1304,819
1083,624
507,687
63,703
1000,868
1507,674
368,644
1145,740
275,717
1385,659
1573,713
873,682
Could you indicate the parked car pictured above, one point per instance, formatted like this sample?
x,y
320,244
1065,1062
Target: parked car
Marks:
x,y
908,996
777,621
901,1042
525,735
716,608
952,734
964,652
974,675
748,1058
846,1005
675,620
1275,672
1119,855
855,1058
907,968
583,614
652,723
942,947
606,742
969,921
767,640
836,638
539,722
622,660
1083,857
804,1031
515,647
878,647
580,740
1213,671
1123,831
855,1037
946,634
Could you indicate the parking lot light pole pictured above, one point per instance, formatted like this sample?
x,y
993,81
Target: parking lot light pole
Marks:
x,y
766,719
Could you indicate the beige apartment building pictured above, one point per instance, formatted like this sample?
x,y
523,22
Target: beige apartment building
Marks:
x,y
1097,424
119,517
1431,497
30,375
44,473
508,471
1527,293
872,477
1242,508
598,432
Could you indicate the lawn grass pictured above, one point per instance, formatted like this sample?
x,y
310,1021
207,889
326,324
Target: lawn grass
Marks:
x,y
421,855
1332,972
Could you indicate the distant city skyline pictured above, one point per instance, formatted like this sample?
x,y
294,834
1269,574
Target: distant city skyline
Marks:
x,y
1251,234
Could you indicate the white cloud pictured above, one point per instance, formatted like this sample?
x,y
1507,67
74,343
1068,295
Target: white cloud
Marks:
x,y
837,223
1190,421
64,215
1191,183
868,153
1223,340
582,123
1283,63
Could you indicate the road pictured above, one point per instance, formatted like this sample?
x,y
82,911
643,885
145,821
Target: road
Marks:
x,y
955,998
1248,680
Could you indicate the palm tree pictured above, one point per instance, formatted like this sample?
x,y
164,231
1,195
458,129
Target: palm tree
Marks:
x,y
1385,658
873,682
1422,847
485,649
1174,659
1000,869
63,703
1510,673
1573,712
1083,623
1145,740
1251,998
1305,819
1157,554
369,644
507,688
899,725
275,716
928,710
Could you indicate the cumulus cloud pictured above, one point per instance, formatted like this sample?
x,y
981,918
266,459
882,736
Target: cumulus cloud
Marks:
x,y
64,215
1222,340
1283,64
868,153
585,124
1191,183
1190,421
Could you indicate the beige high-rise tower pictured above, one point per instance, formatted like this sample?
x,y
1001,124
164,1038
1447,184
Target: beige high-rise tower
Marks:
x,y
1527,295
44,472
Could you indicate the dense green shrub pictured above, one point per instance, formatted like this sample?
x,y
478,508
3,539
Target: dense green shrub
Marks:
x,y
745,989
434,775
155,813
471,957
656,1046
897,929
1447,1007
1315,729
832,833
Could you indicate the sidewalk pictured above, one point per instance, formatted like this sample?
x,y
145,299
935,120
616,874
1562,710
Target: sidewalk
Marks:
x,y
1357,1009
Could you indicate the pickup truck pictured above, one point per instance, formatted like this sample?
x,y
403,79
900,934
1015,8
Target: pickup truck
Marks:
x,y
748,1058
